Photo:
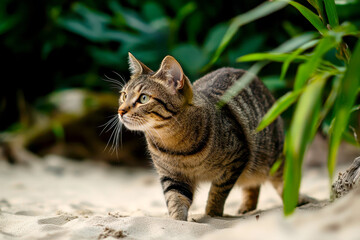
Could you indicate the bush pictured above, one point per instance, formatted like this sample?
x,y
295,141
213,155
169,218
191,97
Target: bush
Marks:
x,y
317,108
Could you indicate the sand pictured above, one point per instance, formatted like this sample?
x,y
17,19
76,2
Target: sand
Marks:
x,y
56,198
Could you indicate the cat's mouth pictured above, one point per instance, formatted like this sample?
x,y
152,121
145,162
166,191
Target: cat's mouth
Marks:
x,y
131,123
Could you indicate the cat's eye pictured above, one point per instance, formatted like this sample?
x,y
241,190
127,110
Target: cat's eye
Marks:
x,y
144,98
123,97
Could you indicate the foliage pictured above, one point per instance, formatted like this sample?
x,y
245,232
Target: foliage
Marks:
x,y
316,106
61,44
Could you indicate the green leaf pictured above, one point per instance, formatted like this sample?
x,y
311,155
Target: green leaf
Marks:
x,y
131,18
347,29
330,100
306,69
153,11
191,64
260,11
296,42
185,11
310,16
343,105
214,37
276,166
278,54
291,29
299,136
346,2
294,55
279,106
182,13
277,57
318,5
93,26
331,13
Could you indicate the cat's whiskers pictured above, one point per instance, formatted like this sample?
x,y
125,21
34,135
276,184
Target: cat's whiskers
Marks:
x,y
109,124
121,77
115,125
118,137
116,83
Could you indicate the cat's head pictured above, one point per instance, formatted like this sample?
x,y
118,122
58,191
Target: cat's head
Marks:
x,y
151,100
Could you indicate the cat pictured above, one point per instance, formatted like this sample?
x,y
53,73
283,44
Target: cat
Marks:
x,y
190,139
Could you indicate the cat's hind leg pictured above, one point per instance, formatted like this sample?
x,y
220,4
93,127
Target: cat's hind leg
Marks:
x,y
250,199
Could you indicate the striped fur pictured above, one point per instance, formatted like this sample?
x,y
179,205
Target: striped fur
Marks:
x,y
191,140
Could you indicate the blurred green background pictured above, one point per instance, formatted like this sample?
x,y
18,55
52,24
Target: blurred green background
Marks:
x,y
48,46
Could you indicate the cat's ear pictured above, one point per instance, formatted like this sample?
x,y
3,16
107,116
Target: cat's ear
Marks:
x,y
136,67
171,71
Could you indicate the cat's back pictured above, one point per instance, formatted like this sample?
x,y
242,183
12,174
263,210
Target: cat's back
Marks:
x,y
254,96
217,82
247,107
252,102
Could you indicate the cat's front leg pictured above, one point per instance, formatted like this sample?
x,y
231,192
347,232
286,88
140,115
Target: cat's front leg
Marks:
x,y
178,196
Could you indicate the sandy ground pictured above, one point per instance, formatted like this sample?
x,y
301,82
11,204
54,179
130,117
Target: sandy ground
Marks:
x,y
60,199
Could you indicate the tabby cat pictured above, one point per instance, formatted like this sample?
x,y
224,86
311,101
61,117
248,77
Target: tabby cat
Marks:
x,y
192,140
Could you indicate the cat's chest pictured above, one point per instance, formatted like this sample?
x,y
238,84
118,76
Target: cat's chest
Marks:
x,y
202,165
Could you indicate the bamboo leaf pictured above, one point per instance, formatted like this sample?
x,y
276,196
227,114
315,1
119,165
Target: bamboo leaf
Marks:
x,y
299,136
296,42
277,54
280,56
294,55
343,105
348,29
331,13
310,16
277,57
279,106
276,166
261,11
330,100
306,69
318,5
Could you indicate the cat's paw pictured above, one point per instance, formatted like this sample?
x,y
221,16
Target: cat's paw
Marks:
x,y
246,208
180,214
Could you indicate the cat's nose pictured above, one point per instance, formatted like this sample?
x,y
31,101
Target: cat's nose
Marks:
x,y
122,111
